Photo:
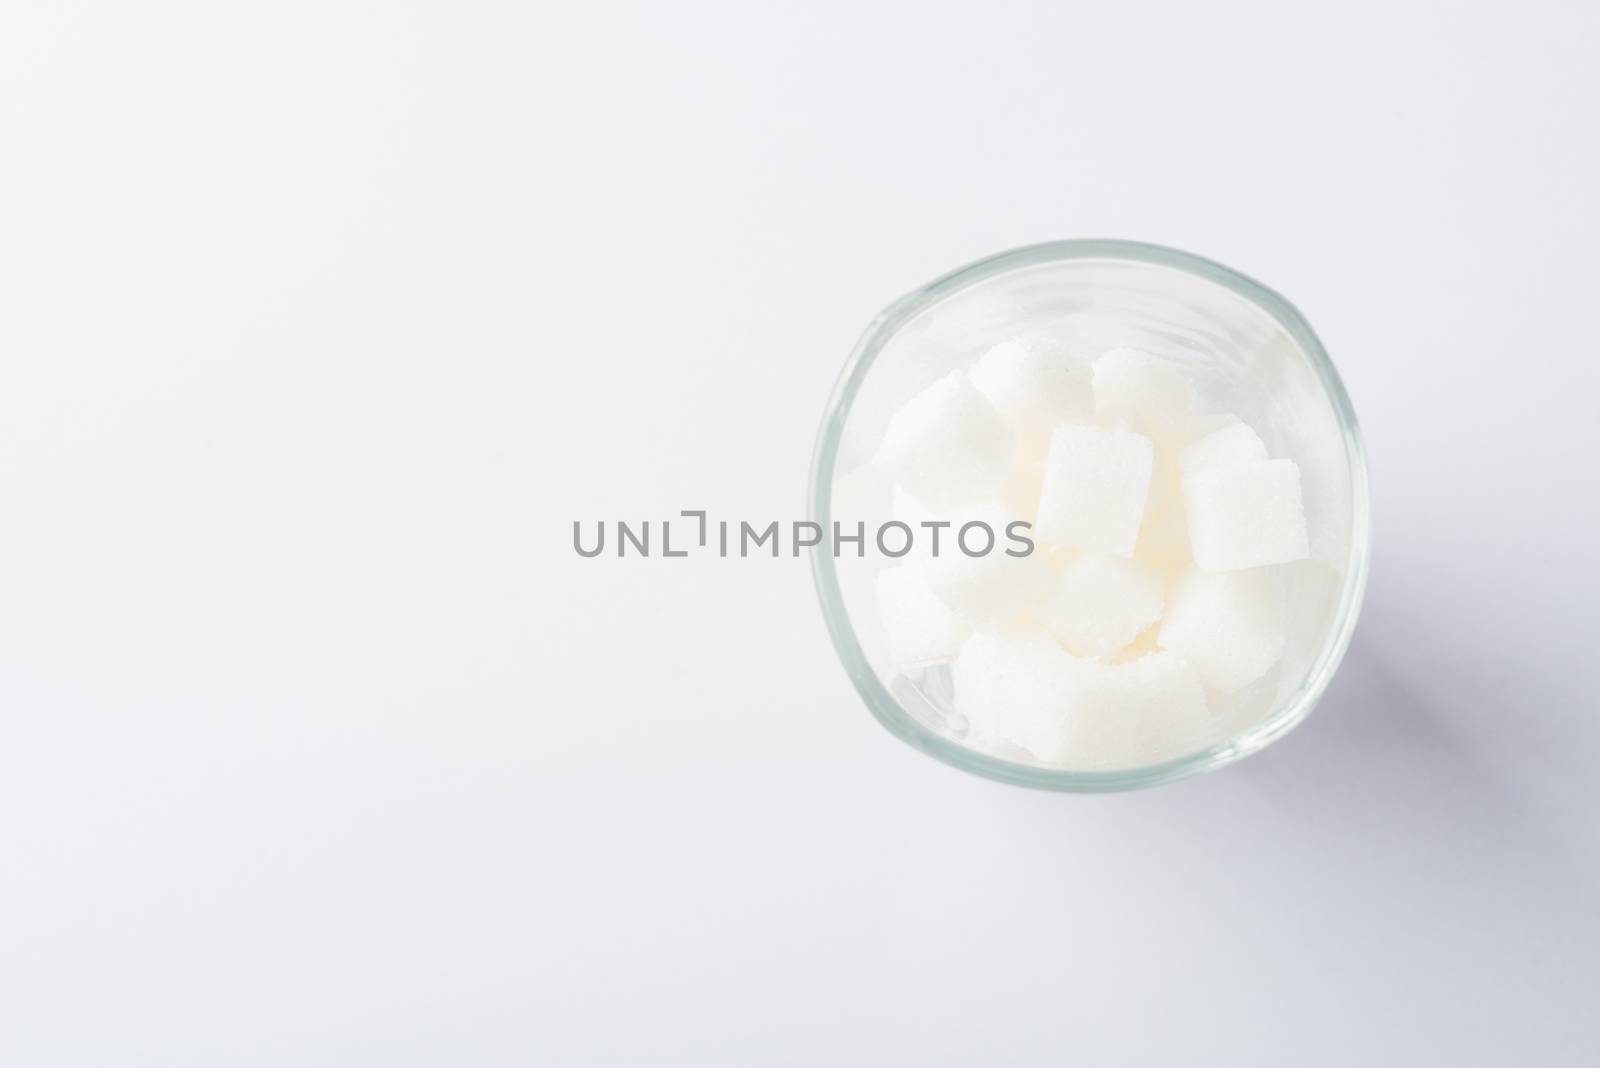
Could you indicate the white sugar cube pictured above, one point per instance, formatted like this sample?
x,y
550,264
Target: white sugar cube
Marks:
x,y
1014,686
1095,485
948,445
1035,384
920,627
1137,712
1173,717
1230,626
1100,604
909,362
1019,687
976,574
1228,446
1246,515
1134,386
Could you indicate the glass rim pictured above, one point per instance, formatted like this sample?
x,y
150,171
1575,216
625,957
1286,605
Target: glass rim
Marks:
x,y
887,710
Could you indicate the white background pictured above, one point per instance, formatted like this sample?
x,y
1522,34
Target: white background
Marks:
x,y
321,323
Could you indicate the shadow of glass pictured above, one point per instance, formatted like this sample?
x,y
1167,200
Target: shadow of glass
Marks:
x,y
1408,761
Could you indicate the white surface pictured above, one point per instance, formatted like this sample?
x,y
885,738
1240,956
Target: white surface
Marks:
x,y
319,324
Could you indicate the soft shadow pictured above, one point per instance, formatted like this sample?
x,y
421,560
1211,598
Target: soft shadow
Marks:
x,y
1412,747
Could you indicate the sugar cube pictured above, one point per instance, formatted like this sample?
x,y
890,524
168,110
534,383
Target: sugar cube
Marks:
x,y
909,362
1015,686
1095,485
1245,515
1232,444
948,445
1101,603
977,576
919,625
1034,383
1229,625
1136,712
1134,386
1101,730
1173,716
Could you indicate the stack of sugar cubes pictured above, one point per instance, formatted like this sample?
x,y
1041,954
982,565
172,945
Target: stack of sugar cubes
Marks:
x,y
1149,597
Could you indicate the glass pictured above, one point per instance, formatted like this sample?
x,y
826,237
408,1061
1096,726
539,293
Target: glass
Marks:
x,y
1257,351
